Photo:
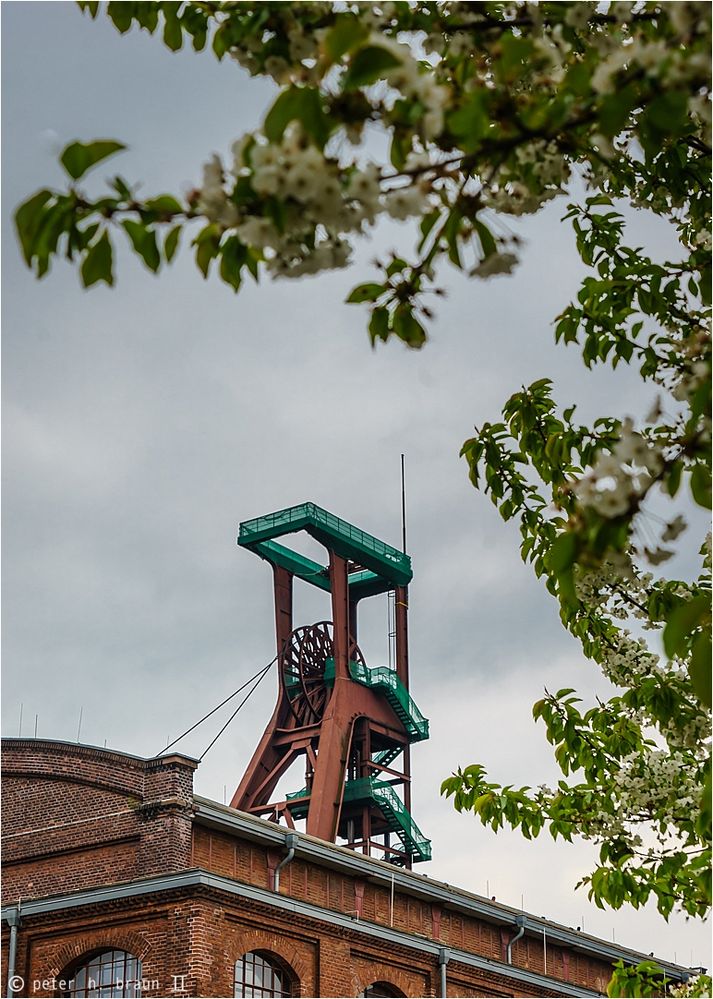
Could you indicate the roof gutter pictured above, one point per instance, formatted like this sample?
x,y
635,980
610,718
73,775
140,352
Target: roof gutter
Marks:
x,y
290,843
520,921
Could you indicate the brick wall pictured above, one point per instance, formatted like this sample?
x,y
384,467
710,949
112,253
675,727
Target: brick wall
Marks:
x,y
76,817
198,934
252,863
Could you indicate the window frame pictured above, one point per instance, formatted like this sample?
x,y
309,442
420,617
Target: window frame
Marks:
x,y
256,965
92,966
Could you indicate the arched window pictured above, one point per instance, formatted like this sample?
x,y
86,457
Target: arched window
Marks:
x,y
377,989
104,973
261,974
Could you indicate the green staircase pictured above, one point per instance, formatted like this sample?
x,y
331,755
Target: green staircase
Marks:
x,y
398,819
387,756
394,811
384,679
382,794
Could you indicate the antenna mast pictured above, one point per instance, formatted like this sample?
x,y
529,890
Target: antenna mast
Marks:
x,y
403,502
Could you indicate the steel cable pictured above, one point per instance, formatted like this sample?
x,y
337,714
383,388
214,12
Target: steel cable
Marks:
x,y
260,673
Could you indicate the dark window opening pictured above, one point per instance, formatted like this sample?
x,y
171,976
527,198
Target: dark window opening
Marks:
x,y
258,974
377,989
104,975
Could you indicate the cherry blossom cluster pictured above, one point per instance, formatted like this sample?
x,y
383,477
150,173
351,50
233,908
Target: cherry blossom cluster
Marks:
x,y
655,784
320,200
696,985
618,480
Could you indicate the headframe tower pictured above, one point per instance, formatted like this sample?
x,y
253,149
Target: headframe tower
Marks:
x,y
349,723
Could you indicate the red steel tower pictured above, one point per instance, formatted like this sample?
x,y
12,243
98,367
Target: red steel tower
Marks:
x,y
347,722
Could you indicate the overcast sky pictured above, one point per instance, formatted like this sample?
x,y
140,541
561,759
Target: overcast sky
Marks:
x,y
142,424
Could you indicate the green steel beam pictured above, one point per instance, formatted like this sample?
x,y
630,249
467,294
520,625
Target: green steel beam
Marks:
x,y
361,584
388,566
298,565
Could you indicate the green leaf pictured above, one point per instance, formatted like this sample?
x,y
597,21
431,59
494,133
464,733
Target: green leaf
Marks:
x,y
347,33
366,293
486,238
673,478
369,65
97,264
56,220
253,262
396,266
379,325
221,40
28,219
700,667
121,187
233,255
401,144
121,14
427,224
146,13
614,113
144,242
701,485
470,123
78,157
172,32
669,112
207,244
682,621
164,204
171,244
286,108
303,104
408,328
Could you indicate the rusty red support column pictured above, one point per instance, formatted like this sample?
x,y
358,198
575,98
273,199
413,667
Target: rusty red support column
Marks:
x,y
402,671
283,606
267,757
337,724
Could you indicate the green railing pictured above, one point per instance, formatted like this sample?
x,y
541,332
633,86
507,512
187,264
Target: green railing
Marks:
x,y
384,678
386,756
316,515
412,839
307,515
392,807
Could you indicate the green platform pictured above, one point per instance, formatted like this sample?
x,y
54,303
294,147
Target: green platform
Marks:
x,y
381,566
384,679
379,792
390,805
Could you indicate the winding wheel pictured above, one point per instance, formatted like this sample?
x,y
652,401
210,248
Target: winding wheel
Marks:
x,y
303,664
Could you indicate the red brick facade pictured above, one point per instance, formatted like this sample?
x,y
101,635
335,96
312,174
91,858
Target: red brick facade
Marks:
x,y
99,824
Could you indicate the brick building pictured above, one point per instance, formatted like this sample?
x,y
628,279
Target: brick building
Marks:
x,y
116,873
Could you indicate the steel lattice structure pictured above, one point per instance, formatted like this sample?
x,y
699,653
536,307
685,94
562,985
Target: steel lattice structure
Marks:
x,y
347,722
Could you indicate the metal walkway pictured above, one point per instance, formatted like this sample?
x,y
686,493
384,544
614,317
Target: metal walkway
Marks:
x,y
384,678
392,808
381,567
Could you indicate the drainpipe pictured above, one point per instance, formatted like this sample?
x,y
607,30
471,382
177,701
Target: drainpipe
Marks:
x,y
519,921
290,843
443,959
13,921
